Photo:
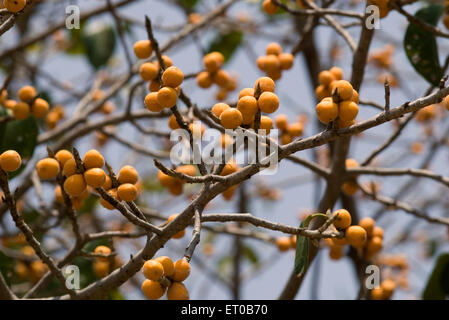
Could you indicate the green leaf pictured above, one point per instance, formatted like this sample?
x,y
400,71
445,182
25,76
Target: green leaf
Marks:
x,y
421,46
250,254
76,43
189,4
437,287
302,247
226,43
20,135
99,40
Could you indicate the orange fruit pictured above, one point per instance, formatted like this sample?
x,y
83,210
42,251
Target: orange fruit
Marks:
x,y
93,159
269,7
327,110
265,84
75,185
26,93
367,223
348,111
344,89
167,97
222,78
14,6
143,49
153,290
69,167
151,102
63,156
181,270
213,61
10,160
40,108
344,219
281,122
21,110
356,236
286,61
337,73
218,108
172,77
283,243
148,71
95,177
153,270
47,168
268,102
127,192
326,77
177,291
204,80
231,118
128,174
167,264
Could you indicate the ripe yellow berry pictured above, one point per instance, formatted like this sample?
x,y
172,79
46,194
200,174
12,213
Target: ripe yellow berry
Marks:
x,y
63,156
274,48
40,108
166,180
246,92
75,185
269,7
127,192
176,190
348,111
388,286
222,78
286,61
373,246
204,79
339,242
271,64
213,61
10,104
101,268
247,106
337,73
14,6
336,252
173,123
151,102
148,71
218,108
153,290
47,168
356,236
154,86
93,159
177,291
172,77
231,118
327,110
21,110
95,177
265,84
27,93
181,233
268,102
167,264
377,294
69,167
107,183
344,89
102,250
322,92
281,122
167,97
283,243
382,5
181,271
58,195
343,220
367,223
326,77
128,174
153,270
105,203
378,232
266,124
295,129
230,168
10,160
143,49
187,169
355,96
345,124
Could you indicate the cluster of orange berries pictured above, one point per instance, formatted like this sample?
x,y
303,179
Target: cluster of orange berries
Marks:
x,y
10,161
28,103
14,6
54,116
167,95
289,131
275,61
366,236
285,243
32,270
128,186
175,185
214,74
262,98
384,10
102,266
346,108
162,275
